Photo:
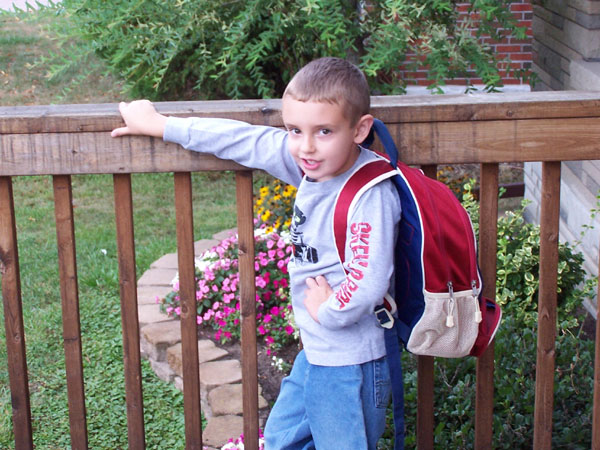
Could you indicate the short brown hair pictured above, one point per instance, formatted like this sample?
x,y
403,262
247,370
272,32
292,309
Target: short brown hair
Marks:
x,y
332,80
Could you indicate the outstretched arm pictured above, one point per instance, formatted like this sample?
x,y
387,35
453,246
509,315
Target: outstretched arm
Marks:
x,y
140,117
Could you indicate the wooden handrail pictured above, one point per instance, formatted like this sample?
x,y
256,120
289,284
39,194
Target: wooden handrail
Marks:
x,y
74,139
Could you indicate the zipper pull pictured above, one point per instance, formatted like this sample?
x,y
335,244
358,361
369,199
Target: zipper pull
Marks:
x,y
450,316
478,317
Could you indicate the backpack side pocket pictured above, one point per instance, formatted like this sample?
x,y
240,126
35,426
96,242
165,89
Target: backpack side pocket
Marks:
x,y
448,327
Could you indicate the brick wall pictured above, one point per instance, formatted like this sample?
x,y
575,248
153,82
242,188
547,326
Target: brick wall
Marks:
x,y
518,51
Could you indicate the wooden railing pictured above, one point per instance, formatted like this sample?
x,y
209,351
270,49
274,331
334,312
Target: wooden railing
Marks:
x,y
487,129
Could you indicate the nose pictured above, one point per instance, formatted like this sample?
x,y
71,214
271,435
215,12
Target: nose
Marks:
x,y
307,145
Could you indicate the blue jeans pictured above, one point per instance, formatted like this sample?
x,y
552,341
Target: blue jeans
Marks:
x,y
330,408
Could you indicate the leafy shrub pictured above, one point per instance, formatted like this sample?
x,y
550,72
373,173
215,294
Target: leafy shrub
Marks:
x,y
213,49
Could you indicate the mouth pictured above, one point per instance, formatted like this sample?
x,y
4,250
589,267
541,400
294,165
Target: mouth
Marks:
x,y
310,164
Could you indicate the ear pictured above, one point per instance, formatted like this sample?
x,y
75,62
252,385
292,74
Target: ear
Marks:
x,y
362,128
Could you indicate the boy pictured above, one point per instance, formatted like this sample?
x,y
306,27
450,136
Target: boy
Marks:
x,y
337,392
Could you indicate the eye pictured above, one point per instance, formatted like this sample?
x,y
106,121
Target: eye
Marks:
x,y
325,131
294,131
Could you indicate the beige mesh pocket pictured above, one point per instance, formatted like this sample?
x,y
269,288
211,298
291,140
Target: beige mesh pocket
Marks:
x,y
448,327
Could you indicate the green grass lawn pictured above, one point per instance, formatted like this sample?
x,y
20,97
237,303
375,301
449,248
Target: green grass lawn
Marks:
x,y
22,41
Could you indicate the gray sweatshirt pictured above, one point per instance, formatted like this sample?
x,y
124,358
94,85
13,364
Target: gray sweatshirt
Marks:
x,y
347,331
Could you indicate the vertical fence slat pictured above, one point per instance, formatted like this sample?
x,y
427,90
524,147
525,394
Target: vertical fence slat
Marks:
x,y
13,318
248,307
425,400
425,377
129,316
544,376
67,265
488,228
189,326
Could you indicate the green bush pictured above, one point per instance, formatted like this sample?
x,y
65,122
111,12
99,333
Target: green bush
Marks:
x,y
215,49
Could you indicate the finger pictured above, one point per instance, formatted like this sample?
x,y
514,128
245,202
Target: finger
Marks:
x,y
321,280
119,132
311,283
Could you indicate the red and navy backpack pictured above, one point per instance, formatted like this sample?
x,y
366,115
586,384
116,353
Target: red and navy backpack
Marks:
x,y
438,308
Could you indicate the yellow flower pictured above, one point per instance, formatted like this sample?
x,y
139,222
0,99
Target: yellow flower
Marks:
x,y
259,201
276,198
269,229
288,190
265,216
264,191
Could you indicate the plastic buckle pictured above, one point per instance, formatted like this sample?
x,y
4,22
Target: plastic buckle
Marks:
x,y
385,318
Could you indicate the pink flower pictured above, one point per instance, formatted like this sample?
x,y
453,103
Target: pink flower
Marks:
x,y
261,330
215,306
178,311
260,282
283,282
270,244
228,297
198,320
289,329
280,243
269,340
267,318
275,310
281,264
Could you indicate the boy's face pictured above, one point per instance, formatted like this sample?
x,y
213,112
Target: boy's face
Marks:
x,y
321,140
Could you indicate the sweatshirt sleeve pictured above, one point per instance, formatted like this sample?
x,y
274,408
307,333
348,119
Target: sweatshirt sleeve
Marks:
x,y
257,147
369,258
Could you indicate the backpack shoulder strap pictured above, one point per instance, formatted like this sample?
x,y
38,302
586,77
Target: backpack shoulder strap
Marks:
x,y
361,180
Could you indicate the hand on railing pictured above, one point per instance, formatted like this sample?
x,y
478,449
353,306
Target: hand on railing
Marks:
x,y
140,117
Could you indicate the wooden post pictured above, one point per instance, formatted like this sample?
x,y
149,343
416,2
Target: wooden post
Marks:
x,y
129,316
67,264
247,285
544,374
425,378
13,318
488,228
189,327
